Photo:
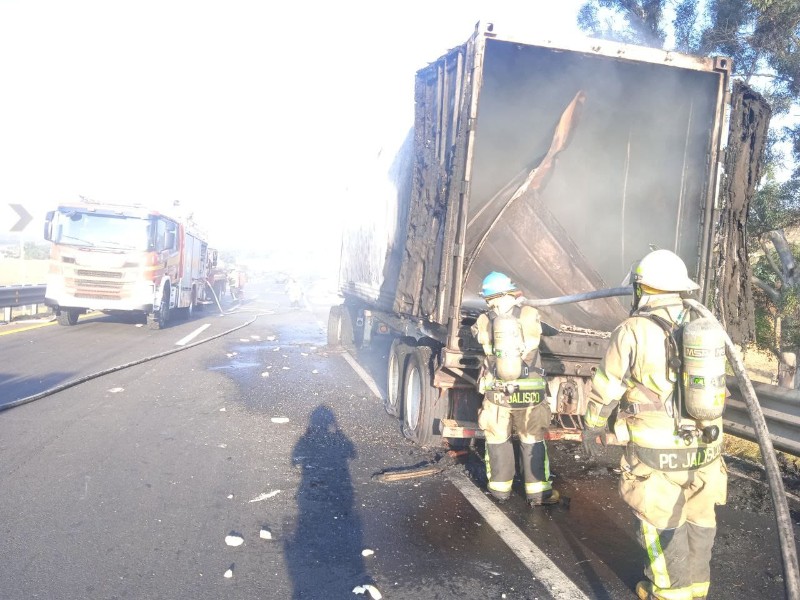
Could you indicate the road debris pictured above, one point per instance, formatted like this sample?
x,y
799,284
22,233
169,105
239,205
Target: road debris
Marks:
x,y
229,573
222,409
373,591
265,496
234,539
367,552
401,475
116,390
280,419
265,534
265,374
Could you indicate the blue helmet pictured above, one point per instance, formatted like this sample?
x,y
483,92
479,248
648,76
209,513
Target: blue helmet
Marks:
x,y
496,283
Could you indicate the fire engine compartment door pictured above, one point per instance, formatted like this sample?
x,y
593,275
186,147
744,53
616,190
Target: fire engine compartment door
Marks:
x,y
617,154
193,264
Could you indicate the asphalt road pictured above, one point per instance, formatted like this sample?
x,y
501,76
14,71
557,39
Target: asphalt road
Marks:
x,y
127,485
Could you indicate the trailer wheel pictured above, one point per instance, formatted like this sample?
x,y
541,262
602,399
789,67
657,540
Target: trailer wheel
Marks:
x,y
358,330
340,327
335,326
421,401
394,374
68,316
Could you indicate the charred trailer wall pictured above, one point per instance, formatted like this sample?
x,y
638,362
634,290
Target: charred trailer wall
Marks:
x,y
582,161
744,157
443,94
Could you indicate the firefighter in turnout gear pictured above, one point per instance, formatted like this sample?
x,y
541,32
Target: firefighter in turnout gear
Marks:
x,y
672,471
513,386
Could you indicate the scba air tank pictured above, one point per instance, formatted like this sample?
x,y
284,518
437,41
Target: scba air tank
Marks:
x,y
508,346
704,369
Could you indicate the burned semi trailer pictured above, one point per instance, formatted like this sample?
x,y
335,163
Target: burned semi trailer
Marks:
x,y
559,165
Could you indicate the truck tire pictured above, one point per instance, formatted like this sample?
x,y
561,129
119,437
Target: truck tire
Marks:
x,y
421,401
398,352
188,312
358,330
159,318
68,316
335,326
340,327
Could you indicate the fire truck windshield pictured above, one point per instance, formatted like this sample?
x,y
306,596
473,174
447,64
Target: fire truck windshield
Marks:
x,y
102,231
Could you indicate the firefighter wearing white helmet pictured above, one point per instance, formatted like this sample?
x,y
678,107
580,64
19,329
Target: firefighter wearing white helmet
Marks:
x,y
513,386
672,471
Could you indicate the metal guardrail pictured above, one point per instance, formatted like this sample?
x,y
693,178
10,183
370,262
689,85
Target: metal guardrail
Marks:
x,y
781,408
21,295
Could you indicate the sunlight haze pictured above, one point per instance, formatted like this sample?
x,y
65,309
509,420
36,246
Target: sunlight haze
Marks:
x,y
257,117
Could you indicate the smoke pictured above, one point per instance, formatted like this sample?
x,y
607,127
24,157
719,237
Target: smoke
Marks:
x,y
634,172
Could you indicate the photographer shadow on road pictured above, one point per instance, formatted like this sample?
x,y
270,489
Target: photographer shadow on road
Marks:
x,y
324,551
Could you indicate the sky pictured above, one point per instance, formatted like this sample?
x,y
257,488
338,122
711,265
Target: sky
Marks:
x,y
256,116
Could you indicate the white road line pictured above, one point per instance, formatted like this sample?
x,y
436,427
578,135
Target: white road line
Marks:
x,y
363,374
542,568
192,335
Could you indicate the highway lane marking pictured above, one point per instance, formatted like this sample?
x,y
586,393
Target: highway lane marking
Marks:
x,y
28,328
363,374
542,568
39,324
191,336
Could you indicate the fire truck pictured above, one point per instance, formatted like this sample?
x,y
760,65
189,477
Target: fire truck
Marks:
x,y
124,259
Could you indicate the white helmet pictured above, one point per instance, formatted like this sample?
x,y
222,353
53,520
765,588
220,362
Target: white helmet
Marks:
x,y
665,271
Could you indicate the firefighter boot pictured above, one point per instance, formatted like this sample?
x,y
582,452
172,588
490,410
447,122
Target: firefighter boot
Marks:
x,y
548,497
645,590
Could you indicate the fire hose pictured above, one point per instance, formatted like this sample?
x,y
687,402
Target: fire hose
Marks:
x,y
782,516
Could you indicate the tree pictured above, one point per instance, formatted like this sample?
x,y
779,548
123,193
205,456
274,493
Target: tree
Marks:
x,y
762,37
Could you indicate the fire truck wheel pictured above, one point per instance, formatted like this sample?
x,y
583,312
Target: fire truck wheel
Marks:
x,y
68,316
189,311
421,401
158,320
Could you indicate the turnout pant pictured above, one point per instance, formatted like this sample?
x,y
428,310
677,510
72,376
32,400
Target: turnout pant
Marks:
x,y
677,523
498,423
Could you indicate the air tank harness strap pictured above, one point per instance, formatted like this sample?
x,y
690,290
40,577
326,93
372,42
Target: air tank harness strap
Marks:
x,y
674,459
519,393
654,401
663,450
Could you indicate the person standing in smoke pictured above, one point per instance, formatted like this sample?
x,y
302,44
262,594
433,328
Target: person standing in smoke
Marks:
x,y
672,474
513,385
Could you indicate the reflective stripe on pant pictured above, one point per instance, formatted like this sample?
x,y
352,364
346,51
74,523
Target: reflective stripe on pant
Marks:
x,y
678,560
530,424
500,468
535,468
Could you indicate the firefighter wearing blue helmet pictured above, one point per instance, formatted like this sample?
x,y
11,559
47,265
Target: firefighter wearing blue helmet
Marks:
x,y
513,387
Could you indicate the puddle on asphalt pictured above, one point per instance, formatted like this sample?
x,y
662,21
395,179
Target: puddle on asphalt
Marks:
x,y
234,365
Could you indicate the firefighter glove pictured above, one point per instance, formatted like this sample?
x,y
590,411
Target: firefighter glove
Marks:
x,y
591,446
